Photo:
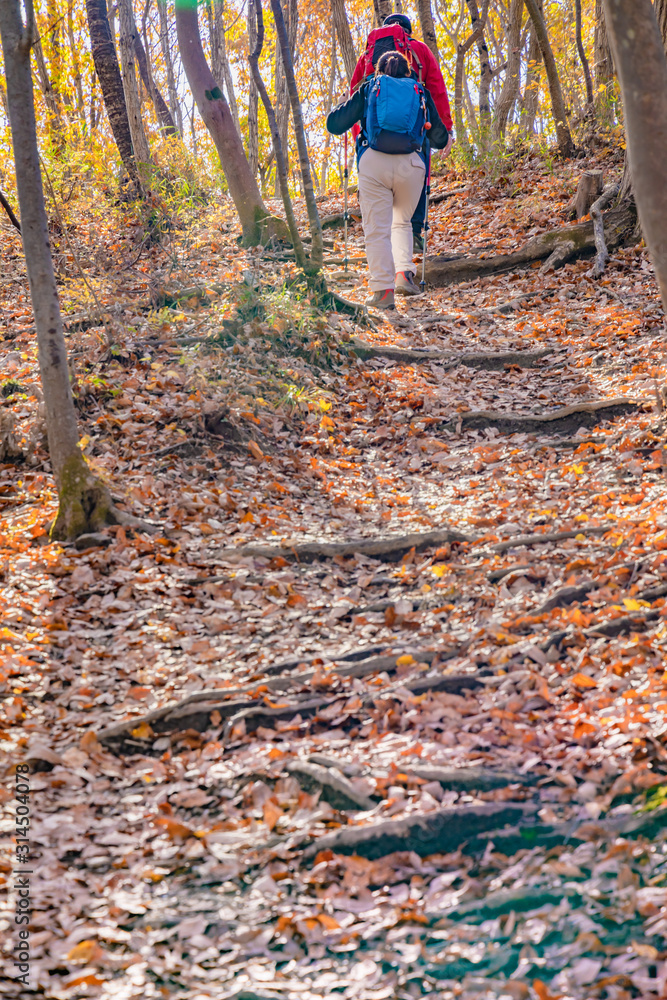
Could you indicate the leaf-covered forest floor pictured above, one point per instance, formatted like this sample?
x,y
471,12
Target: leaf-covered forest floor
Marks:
x,y
304,827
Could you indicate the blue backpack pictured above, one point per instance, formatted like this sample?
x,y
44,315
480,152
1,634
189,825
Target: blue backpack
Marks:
x,y
396,116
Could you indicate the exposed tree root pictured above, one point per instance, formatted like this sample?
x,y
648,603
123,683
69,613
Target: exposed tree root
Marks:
x,y
442,831
566,596
619,223
484,361
194,711
471,779
602,256
545,539
566,420
334,787
382,548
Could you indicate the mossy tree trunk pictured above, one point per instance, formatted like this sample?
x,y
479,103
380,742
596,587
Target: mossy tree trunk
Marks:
x,y
85,502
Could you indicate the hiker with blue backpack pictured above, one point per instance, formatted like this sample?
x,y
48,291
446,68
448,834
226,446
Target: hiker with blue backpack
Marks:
x,y
398,119
395,35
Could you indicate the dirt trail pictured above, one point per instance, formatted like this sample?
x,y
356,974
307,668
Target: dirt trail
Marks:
x,y
407,774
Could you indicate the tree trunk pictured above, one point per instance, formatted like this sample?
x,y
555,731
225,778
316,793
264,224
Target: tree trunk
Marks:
x,y
162,112
127,31
85,503
531,93
383,8
330,95
282,95
218,120
253,93
639,57
174,102
219,60
427,26
108,73
604,64
300,134
512,82
256,26
485,72
565,143
344,36
582,53
76,64
462,50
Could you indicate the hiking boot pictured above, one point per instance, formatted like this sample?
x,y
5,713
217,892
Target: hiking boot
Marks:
x,y
405,284
383,299
417,243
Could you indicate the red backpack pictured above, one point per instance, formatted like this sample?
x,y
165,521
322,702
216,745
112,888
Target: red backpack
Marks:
x,y
390,38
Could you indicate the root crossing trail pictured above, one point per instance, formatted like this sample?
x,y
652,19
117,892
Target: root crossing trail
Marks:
x,y
379,709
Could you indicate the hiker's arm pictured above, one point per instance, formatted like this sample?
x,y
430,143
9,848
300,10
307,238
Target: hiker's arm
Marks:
x,y
437,134
434,82
346,114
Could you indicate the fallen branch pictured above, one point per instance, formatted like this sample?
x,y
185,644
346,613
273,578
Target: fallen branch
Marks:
x,y
567,419
442,831
607,196
619,223
438,196
484,361
375,548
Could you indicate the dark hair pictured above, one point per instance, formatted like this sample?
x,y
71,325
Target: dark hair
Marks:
x,y
399,19
392,64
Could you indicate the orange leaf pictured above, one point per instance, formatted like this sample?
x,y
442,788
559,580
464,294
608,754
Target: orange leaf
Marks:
x,y
272,813
139,693
86,952
255,450
583,729
542,991
173,829
328,922
143,732
583,681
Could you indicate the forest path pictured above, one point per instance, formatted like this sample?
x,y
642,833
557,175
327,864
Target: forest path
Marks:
x,y
469,731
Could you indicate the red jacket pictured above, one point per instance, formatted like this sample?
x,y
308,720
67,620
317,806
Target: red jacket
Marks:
x,y
431,78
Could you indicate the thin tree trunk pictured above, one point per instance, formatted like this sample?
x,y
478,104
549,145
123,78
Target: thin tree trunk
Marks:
x,y
50,99
344,36
108,73
174,102
485,72
300,134
76,65
582,53
163,113
604,63
461,52
10,211
127,31
531,93
330,95
253,93
639,57
427,26
282,95
565,143
512,82
219,60
217,117
85,503
256,22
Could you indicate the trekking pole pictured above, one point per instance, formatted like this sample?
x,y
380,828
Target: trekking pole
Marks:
x,y
422,283
345,215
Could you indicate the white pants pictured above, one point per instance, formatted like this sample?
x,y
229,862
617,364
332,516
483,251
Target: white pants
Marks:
x,y
389,189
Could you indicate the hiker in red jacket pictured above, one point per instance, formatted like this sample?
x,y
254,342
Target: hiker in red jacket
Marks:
x,y
395,34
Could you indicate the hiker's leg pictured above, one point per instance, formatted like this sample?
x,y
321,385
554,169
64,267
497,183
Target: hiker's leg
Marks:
x,y
419,213
376,201
408,182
